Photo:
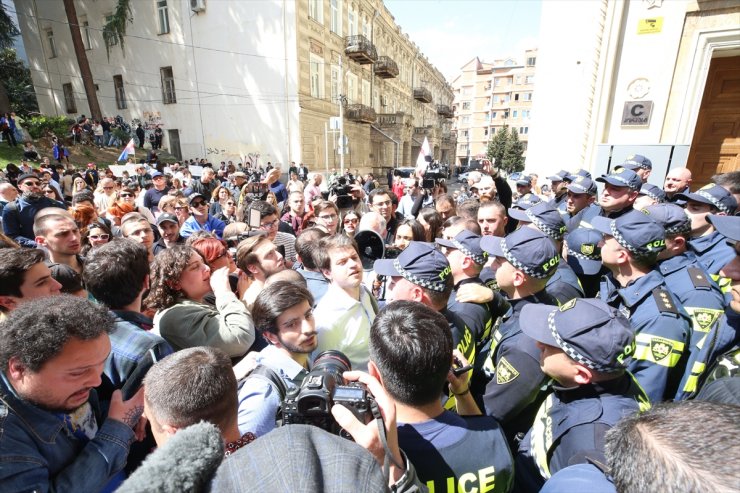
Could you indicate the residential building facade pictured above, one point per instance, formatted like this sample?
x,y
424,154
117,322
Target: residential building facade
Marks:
x,y
252,81
489,96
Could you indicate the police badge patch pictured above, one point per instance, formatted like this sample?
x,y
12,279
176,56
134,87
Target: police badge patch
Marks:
x,y
705,318
587,249
660,348
505,373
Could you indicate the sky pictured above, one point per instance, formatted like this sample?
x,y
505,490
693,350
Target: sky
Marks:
x,y
451,32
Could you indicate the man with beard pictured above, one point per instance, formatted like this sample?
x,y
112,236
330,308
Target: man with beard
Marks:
x,y
18,215
53,436
283,315
60,236
259,258
345,313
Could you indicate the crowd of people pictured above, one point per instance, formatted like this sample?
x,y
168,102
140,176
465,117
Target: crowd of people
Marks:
x,y
161,331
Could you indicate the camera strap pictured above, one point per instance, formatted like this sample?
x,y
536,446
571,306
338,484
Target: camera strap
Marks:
x,y
381,432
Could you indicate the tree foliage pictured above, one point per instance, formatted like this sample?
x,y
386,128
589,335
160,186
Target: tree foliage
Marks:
x,y
506,151
8,29
16,78
114,30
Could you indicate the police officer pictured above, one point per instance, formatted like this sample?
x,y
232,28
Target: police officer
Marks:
x,y
559,182
422,273
641,165
706,242
620,192
467,259
684,276
524,260
580,206
649,194
563,285
719,355
584,257
585,346
630,251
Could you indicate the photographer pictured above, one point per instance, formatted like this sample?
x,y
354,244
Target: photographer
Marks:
x,y
283,315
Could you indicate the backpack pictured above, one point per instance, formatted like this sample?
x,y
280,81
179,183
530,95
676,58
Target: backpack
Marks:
x,y
276,382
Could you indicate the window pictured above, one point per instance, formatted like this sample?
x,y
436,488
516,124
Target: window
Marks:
x,y
516,97
530,79
352,88
466,105
485,131
527,96
69,98
334,83
163,18
526,113
463,147
488,116
168,85
497,81
120,92
523,130
366,93
52,43
352,20
316,10
493,130
336,16
365,27
114,40
531,60
465,133
85,28
316,74
493,115
514,114
466,120
467,91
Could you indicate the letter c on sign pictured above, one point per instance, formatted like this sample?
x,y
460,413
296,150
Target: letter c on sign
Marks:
x,y
637,110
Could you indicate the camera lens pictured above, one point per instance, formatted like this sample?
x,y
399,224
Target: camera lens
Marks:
x,y
333,361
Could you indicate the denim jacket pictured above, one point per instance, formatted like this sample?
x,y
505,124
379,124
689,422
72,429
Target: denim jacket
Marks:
x,y
37,453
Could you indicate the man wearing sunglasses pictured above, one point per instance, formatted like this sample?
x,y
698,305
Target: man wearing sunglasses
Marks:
x,y
200,219
18,215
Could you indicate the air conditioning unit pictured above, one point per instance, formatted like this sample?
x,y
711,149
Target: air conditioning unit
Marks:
x,y
198,5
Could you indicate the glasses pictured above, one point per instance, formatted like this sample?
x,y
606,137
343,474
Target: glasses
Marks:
x,y
351,221
31,183
387,203
103,236
331,217
269,225
182,208
198,203
126,195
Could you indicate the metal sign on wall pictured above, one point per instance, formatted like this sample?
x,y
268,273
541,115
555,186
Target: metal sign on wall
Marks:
x,y
637,113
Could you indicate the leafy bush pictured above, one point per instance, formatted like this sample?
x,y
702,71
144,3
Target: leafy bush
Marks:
x,y
40,126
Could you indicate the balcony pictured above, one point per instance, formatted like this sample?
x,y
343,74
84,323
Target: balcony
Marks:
x,y
422,130
360,49
386,68
445,111
391,119
422,94
360,113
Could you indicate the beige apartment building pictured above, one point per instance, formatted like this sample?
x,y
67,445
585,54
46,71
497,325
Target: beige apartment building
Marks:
x,y
354,53
489,96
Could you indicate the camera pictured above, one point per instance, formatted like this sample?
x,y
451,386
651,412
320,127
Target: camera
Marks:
x,y
322,388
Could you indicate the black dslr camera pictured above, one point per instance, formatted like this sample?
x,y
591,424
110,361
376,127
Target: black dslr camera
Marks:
x,y
323,387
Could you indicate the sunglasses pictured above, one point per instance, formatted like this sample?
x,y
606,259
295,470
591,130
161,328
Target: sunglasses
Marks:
x,y
103,236
31,183
197,203
348,221
126,195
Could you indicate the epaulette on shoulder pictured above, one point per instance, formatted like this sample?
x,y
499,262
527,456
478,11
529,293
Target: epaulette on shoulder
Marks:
x,y
664,302
698,278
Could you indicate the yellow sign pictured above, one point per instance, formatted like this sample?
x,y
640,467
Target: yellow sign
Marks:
x,y
650,26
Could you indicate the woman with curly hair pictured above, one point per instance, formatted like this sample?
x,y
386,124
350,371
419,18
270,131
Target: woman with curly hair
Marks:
x,y
219,198
180,280
182,210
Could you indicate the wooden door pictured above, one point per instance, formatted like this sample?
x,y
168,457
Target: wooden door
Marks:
x,y
716,145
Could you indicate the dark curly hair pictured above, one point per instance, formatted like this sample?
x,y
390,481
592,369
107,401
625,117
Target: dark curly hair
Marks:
x,y
38,332
167,269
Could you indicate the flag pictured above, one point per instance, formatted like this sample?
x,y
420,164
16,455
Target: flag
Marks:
x,y
421,161
127,151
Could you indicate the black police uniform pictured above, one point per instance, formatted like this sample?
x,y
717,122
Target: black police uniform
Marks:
x,y
479,317
564,285
517,386
662,332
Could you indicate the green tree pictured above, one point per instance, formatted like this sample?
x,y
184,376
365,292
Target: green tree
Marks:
x,y
115,29
15,78
513,153
497,146
8,32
